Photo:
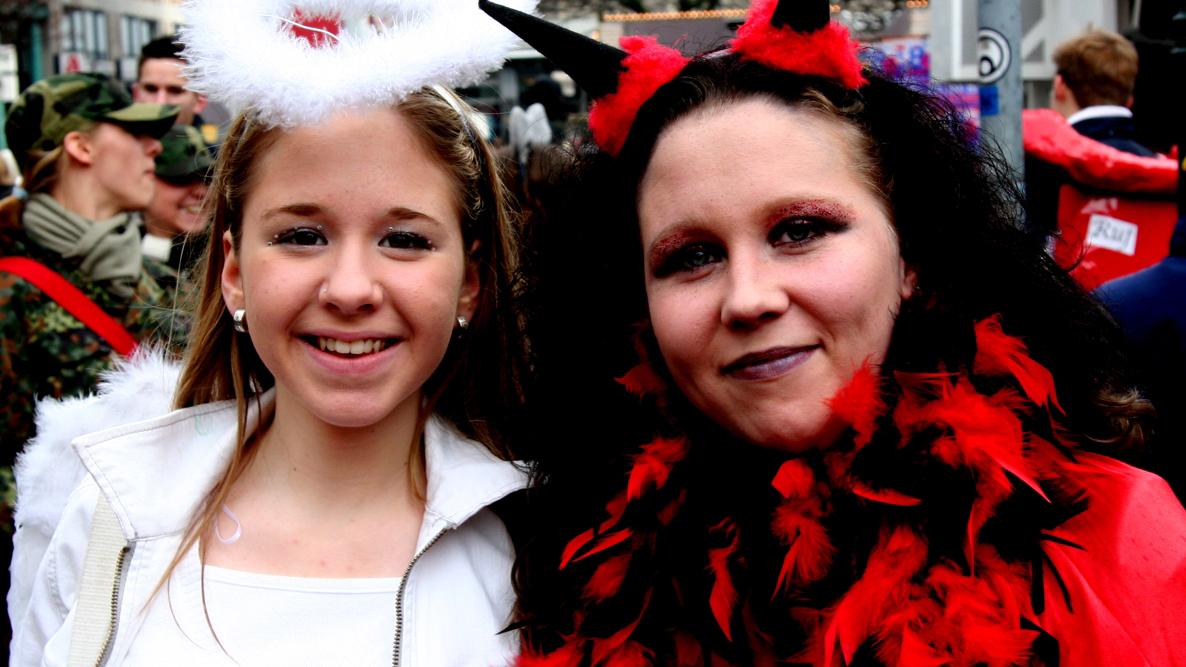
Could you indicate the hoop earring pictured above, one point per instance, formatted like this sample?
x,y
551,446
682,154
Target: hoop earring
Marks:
x,y
239,320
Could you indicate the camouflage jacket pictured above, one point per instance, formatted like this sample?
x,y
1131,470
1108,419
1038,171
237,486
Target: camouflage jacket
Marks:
x,y
45,351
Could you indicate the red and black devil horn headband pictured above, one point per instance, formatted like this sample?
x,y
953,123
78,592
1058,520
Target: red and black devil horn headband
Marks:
x,y
792,35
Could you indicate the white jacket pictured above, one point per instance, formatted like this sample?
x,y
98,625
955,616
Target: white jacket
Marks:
x,y
455,598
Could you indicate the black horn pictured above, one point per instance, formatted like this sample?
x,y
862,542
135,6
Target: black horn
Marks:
x,y
594,66
802,15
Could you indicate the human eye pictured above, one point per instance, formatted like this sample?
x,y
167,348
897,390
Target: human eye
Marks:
x,y
175,90
405,240
689,258
796,232
149,87
300,236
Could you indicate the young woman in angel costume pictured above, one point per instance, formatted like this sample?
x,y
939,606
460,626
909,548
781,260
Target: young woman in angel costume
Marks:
x,y
323,492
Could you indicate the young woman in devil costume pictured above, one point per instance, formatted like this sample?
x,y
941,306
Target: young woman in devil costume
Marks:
x,y
875,423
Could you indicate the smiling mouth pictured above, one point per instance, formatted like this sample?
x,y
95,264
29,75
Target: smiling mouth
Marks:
x,y
350,348
768,364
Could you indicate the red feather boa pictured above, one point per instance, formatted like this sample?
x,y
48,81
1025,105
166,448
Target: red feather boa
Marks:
x,y
916,613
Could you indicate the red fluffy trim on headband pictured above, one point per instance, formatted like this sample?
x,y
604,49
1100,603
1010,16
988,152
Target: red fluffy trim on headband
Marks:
x,y
648,67
829,52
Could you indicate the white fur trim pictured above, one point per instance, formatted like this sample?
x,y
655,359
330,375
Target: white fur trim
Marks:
x,y
48,470
242,53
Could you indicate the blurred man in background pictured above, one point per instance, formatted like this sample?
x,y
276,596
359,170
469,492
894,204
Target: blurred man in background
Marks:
x,y
160,80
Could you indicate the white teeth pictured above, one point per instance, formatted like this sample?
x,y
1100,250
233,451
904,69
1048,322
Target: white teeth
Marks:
x,y
356,347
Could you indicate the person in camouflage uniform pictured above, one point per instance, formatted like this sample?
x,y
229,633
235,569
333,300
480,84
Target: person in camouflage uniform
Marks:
x,y
173,222
86,152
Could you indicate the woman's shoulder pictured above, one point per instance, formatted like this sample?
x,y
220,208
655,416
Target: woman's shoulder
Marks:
x,y
126,436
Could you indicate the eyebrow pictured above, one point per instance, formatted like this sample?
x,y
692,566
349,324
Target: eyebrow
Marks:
x,y
670,240
306,210
299,210
405,213
819,207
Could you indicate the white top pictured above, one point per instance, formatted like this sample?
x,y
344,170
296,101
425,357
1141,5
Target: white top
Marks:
x,y
266,619
154,474
1099,111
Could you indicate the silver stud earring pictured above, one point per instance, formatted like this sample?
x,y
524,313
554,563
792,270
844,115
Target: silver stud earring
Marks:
x,y
239,320
462,323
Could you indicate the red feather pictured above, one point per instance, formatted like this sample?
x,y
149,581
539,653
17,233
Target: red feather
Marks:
x,y
794,479
667,514
648,66
688,652
998,353
859,403
986,436
568,655
723,597
828,52
809,549
641,380
983,428
630,654
607,578
884,586
608,542
653,465
604,648
884,496
912,651
981,620
615,508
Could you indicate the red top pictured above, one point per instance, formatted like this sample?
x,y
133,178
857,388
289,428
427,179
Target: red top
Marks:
x,y
1127,586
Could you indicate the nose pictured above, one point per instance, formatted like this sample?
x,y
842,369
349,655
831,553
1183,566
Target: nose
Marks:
x,y
349,287
152,147
754,294
159,97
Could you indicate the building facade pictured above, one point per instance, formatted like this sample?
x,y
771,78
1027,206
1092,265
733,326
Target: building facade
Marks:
x,y
57,36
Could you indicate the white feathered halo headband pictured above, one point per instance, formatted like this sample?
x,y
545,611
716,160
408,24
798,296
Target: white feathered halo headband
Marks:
x,y
294,62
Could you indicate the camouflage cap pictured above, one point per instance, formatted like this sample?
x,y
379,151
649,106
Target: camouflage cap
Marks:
x,y
51,108
184,156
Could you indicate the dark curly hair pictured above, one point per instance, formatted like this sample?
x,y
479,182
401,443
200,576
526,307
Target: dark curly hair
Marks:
x,y
955,207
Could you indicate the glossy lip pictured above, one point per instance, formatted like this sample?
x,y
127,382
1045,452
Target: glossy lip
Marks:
x,y
768,364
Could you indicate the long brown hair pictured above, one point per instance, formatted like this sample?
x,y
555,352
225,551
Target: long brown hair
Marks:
x,y
477,386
